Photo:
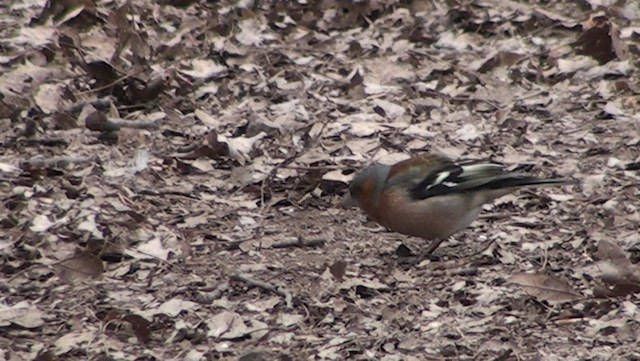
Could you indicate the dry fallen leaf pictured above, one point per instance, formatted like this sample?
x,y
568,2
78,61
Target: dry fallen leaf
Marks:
x,y
22,314
230,325
338,269
75,340
619,275
609,251
545,287
223,132
78,268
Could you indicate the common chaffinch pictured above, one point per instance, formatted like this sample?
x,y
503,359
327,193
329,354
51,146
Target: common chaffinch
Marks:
x,y
433,197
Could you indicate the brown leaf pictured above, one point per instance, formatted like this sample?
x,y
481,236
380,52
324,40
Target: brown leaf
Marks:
x,y
217,147
140,326
545,287
338,269
114,318
602,291
79,268
98,121
619,47
596,40
621,276
503,58
46,356
609,251
102,72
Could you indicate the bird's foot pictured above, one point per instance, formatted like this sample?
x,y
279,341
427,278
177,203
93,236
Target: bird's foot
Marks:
x,y
407,256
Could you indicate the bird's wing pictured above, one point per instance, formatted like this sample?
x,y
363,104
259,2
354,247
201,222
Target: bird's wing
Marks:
x,y
444,176
413,171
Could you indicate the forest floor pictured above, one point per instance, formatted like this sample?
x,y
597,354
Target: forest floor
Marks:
x,y
171,174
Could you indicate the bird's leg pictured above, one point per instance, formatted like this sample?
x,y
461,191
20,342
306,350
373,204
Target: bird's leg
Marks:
x,y
403,252
434,244
428,253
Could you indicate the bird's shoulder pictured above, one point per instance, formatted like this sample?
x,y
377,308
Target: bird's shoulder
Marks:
x,y
415,169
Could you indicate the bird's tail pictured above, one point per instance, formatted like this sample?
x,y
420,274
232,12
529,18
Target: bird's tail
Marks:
x,y
499,186
512,180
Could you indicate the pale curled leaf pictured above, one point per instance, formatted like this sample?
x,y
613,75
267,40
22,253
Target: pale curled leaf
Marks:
x,y
204,69
9,168
227,323
74,340
173,307
22,314
545,287
230,325
288,319
240,147
263,305
49,97
337,176
41,223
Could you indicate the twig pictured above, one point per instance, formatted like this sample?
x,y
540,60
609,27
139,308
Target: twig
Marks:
x,y
28,142
288,299
463,272
22,271
311,168
462,98
151,192
234,246
99,122
47,142
60,162
286,163
452,270
102,103
633,166
482,249
208,297
496,215
298,242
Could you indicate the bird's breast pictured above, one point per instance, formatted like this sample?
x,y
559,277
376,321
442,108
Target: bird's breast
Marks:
x,y
430,218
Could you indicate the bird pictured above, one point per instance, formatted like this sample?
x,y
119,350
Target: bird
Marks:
x,y
432,196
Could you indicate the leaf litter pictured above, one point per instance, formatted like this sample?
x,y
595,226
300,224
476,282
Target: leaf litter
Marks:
x,y
171,176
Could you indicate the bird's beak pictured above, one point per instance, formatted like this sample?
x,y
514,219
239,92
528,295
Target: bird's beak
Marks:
x,y
347,200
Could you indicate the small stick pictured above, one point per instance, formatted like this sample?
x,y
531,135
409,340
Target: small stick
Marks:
x,y
482,249
310,168
208,297
47,142
102,103
288,299
495,215
100,122
298,242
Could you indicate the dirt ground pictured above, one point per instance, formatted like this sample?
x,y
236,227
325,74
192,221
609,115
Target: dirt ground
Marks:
x,y
171,174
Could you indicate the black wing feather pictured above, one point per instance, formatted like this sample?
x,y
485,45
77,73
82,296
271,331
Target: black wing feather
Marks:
x,y
472,176
454,177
